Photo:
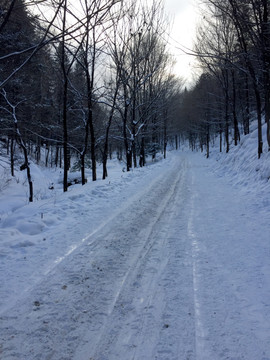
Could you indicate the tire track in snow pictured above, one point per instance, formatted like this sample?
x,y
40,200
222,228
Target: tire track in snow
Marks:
x,y
202,350
74,296
90,239
126,288
135,272
177,339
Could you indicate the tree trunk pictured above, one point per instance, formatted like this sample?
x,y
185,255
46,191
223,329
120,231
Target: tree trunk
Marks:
x,y
133,146
104,168
247,107
126,145
235,121
47,155
227,121
83,152
56,156
12,149
82,158
259,116
30,183
106,144
165,136
105,155
220,139
60,157
207,142
266,56
93,148
142,153
26,166
65,88
267,111
90,85
65,136
26,162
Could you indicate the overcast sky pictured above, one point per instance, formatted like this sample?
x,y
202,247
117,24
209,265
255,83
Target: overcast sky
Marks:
x,y
184,14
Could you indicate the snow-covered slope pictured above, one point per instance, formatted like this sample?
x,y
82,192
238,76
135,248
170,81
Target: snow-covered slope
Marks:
x,y
241,165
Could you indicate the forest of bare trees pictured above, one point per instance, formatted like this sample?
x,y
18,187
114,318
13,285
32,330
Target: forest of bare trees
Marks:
x,y
233,52
80,80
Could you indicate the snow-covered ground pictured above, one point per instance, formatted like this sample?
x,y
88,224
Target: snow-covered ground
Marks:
x,y
166,262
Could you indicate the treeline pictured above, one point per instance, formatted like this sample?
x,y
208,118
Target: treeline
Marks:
x,y
83,79
233,51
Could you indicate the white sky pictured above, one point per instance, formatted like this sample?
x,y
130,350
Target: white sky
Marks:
x,y
184,14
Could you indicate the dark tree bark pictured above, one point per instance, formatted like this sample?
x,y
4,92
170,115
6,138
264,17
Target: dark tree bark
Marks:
x,y
266,61
12,150
7,15
247,107
235,121
65,99
106,142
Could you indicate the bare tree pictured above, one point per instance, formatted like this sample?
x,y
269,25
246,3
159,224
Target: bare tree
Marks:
x,y
216,37
249,25
11,110
139,57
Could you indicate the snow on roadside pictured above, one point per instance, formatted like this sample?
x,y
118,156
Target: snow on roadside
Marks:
x,y
241,165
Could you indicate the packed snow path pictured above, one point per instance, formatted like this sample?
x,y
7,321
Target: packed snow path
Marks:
x,y
178,269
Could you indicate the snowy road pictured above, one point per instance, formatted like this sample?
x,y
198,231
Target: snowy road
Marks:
x,y
177,269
